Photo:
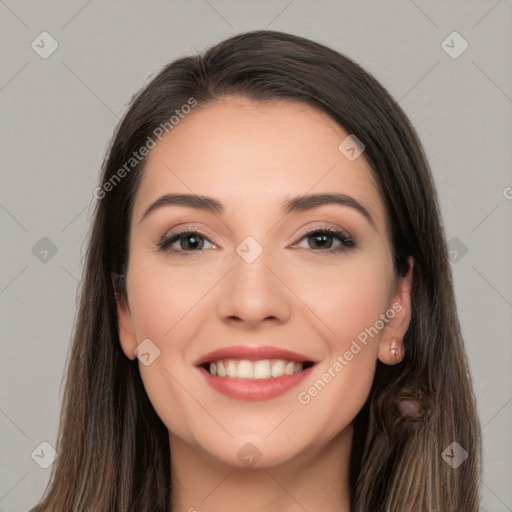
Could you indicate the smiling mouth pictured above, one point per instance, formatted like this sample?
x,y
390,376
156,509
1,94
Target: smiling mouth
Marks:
x,y
254,370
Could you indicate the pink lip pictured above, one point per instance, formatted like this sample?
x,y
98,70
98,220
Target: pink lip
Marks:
x,y
252,354
253,390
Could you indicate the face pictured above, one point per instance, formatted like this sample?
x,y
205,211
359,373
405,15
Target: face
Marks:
x,y
259,324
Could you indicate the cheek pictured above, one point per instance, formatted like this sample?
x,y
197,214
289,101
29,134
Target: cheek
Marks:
x,y
337,394
350,308
348,298
166,308
161,300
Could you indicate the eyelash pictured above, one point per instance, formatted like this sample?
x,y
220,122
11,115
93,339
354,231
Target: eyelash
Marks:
x,y
346,241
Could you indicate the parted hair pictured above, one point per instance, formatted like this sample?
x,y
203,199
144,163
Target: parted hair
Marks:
x,y
114,449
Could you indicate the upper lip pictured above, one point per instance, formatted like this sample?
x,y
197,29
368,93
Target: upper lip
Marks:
x,y
253,354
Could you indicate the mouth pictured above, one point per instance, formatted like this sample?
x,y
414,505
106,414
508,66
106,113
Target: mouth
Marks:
x,y
254,373
255,370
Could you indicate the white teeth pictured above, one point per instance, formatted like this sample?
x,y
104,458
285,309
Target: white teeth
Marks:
x,y
262,369
231,368
221,371
245,369
289,368
278,368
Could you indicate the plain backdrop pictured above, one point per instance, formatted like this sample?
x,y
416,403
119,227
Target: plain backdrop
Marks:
x,y
58,112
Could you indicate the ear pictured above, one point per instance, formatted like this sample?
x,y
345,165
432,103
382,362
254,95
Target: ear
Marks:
x,y
125,328
391,347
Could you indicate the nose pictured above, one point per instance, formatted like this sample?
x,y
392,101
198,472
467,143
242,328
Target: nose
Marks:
x,y
253,294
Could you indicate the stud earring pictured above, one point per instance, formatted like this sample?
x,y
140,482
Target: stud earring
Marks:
x,y
397,352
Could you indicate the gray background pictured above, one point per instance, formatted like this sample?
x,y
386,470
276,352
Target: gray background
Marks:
x,y
58,114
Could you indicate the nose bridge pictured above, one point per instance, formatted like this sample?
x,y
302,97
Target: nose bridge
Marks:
x,y
252,292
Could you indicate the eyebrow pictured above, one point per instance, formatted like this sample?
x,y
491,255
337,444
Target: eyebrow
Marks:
x,y
295,204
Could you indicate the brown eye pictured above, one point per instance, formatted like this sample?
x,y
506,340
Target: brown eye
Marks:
x,y
187,241
326,240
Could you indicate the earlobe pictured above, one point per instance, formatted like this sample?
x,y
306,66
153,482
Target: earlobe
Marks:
x,y
391,348
397,352
125,329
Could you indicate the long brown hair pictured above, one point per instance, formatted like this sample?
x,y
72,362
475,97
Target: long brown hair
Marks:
x,y
114,449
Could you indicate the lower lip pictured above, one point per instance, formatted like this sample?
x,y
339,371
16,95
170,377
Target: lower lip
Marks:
x,y
257,389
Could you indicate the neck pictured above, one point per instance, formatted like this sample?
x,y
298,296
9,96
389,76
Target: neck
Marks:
x,y
314,479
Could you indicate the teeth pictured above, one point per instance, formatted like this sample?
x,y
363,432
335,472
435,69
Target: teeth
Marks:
x,y
221,371
245,369
263,369
289,368
278,368
231,368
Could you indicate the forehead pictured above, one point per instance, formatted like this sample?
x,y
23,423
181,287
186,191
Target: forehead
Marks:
x,y
248,153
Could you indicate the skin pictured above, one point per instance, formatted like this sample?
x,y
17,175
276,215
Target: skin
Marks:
x,y
251,156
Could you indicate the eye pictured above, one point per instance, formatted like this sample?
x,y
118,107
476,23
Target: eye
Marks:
x,y
186,241
327,240
322,240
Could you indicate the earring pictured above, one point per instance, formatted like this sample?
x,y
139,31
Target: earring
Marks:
x,y
397,351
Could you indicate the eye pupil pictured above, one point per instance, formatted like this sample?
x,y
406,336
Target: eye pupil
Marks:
x,y
320,240
196,242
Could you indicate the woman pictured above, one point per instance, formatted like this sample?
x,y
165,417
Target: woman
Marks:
x,y
267,318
